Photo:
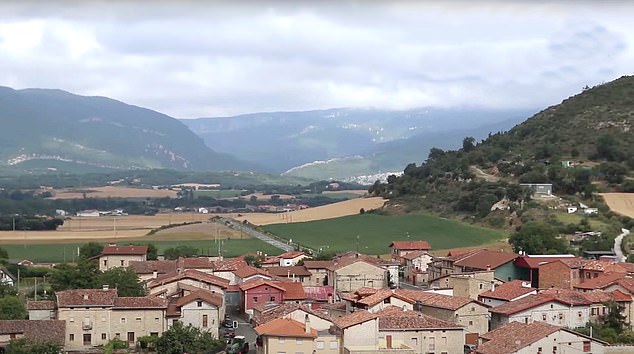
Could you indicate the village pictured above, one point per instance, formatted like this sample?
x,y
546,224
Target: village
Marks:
x,y
465,301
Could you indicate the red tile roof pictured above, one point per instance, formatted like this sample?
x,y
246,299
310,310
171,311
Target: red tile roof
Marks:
x,y
381,295
396,319
510,290
413,255
249,271
411,245
534,262
514,336
354,319
40,305
627,284
485,259
291,254
285,327
196,263
532,301
319,293
149,267
145,302
284,309
298,271
86,298
229,264
592,297
292,290
600,282
189,274
202,295
124,250
39,331
254,283
438,300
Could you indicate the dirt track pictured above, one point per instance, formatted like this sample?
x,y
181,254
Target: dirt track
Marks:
x,y
330,211
621,203
112,192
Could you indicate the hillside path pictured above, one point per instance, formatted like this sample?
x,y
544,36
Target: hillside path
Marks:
x,y
257,234
481,174
618,251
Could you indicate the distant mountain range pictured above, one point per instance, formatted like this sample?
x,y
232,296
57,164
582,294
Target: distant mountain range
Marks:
x,y
44,128
339,143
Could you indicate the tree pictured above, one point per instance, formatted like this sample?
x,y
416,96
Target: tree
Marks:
x,y
124,280
80,276
614,318
252,260
90,249
181,339
608,148
537,238
28,346
180,251
3,253
468,144
614,172
152,251
11,308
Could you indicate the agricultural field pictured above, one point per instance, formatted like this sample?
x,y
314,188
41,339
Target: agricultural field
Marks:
x,y
67,252
621,203
330,211
219,193
576,218
110,192
372,233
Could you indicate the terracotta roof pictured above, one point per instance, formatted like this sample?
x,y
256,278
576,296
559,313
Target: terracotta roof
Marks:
x,y
298,271
229,264
460,251
254,283
510,290
438,300
284,309
124,250
354,319
344,262
514,336
248,271
291,254
526,303
285,327
40,305
86,297
413,255
144,302
381,295
627,284
394,318
365,291
534,262
318,264
319,293
41,330
149,267
606,266
572,297
484,259
411,245
292,290
600,282
196,263
202,295
189,274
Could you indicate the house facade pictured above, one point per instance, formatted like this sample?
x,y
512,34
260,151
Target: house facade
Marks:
x,y
114,256
352,274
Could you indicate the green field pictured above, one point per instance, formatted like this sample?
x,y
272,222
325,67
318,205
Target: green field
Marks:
x,y
576,218
61,252
375,232
221,193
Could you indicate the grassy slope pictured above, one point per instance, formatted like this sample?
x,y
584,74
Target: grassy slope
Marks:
x,y
376,232
61,252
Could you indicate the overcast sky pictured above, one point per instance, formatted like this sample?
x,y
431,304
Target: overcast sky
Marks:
x,y
201,58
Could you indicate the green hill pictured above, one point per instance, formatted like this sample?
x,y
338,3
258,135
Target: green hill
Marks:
x,y
48,126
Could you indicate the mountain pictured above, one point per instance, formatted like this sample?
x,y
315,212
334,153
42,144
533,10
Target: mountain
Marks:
x,y
44,128
287,140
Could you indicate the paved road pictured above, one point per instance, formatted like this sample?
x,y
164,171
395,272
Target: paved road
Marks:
x,y
618,251
244,329
257,234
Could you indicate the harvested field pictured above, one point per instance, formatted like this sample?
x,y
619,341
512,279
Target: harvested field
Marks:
x,y
620,203
111,192
330,211
348,191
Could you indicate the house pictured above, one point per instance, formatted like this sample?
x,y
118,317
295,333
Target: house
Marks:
x,y
226,267
359,332
561,273
476,260
539,189
401,248
292,273
470,284
201,309
247,273
298,312
36,331
285,335
6,277
89,213
594,268
120,256
168,284
507,292
286,259
260,292
293,291
415,266
41,310
319,271
318,296
350,274
148,270
596,301
95,316
537,337
422,333
462,311
528,266
375,300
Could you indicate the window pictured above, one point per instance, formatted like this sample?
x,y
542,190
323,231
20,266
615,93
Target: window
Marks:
x,y
333,344
554,349
320,344
386,300
551,306
71,337
87,339
481,286
470,323
255,299
414,342
603,310
103,336
121,261
138,319
432,343
587,346
525,319
281,340
205,320
156,320
561,316
130,337
543,317
12,336
153,334
199,303
122,319
444,340
72,319
580,314
595,311
472,309
272,299
299,341
105,262
117,335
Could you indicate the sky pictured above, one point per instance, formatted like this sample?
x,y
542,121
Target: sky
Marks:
x,y
194,59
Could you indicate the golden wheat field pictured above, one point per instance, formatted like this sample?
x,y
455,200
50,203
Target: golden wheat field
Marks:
x,y
330,211
621,203
111,192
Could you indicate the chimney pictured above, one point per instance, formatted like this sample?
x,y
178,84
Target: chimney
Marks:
x,y
488,267
492,285
154,274
307,324
105,286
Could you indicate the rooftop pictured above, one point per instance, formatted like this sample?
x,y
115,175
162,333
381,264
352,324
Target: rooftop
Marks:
x,y
485,259
285,309
254,283
395,318
285,327
354,319
86,297
131,250
249,271
318,264
534,261
189,274
292,290
149,267
41,330
298,271
40,305
145,302
411,245
437,300
510,290
202,295
600,282
381,295
514,336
